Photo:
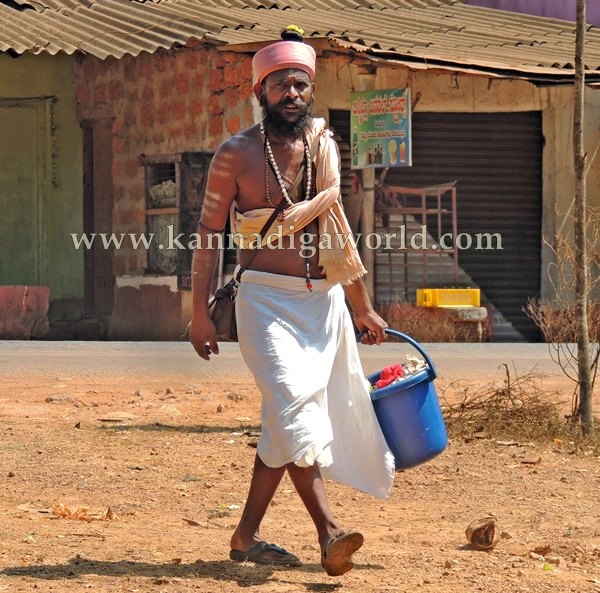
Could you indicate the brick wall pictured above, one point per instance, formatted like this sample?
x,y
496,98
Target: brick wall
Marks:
x,y
184,99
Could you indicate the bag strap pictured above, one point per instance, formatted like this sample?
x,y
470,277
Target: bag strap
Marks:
x,y
281,205
261,234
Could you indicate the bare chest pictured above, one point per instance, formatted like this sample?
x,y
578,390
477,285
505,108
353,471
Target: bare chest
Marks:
x,y
256,178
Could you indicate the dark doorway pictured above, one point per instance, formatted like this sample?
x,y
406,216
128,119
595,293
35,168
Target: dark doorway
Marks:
x,y
97,217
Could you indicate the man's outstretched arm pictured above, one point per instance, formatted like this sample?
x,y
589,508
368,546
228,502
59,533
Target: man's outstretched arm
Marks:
x,y
221,190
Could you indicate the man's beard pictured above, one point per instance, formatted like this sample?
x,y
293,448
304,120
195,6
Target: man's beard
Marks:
x,y
280,125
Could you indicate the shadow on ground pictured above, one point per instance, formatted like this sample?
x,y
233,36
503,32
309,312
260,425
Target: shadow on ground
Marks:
x,y
244,574
194,428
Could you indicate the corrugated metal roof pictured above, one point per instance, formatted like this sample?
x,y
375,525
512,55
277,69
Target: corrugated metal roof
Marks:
x,y
458,33
277,4
40,5
332,4
434,30
114,27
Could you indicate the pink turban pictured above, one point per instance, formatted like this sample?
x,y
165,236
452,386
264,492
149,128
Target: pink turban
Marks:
x,y
281,56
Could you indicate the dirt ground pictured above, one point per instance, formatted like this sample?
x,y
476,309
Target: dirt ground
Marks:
x,y
171,458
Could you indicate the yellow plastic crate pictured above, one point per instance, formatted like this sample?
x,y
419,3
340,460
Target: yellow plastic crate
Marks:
x,y
448,297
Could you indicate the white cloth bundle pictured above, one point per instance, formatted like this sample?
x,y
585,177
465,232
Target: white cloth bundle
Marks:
x,y
301,349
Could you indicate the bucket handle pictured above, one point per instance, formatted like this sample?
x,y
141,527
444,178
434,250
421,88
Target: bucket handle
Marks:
x,y
416,346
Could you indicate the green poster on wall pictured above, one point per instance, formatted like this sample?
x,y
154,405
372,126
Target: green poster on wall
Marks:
x,y
380,129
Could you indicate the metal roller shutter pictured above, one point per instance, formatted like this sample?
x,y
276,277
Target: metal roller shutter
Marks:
x,y
497,160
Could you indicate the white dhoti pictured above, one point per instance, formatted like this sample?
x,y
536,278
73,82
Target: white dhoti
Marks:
x,y
301,349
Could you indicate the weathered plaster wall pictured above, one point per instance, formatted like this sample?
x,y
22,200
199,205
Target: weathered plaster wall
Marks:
x,y
559,177
441,91
44,75
558,130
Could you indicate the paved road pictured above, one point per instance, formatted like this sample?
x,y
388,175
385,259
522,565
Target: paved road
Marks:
x,y
453,361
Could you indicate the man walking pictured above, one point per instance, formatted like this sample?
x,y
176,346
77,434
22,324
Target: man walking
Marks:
x,y
295,331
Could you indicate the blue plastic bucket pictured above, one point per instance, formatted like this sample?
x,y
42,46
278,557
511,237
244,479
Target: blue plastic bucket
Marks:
x,y
409,413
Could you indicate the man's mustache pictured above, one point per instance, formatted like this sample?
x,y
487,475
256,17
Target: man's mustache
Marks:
x,y
295,102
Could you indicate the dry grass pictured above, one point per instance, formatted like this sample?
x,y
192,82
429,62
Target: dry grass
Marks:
x,y
516,409
557,317
559,326
421,323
